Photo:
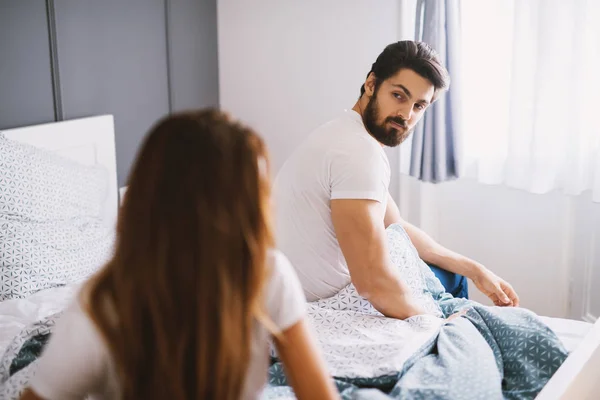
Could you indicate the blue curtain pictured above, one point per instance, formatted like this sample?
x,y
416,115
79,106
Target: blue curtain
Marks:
x,y
434,153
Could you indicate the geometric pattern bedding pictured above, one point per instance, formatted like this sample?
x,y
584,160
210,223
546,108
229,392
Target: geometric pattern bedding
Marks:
x,y
39,185
51,233
40,255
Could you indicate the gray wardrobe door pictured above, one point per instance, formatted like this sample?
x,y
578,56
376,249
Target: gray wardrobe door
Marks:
x,y
112,59
26,96
194,76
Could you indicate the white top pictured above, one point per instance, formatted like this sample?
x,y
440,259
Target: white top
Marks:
x,y
77,363
340,160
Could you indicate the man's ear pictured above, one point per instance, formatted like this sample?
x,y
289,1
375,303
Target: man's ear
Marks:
x,y
370,84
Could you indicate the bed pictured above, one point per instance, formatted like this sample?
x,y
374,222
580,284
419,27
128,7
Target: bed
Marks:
x,y
90,141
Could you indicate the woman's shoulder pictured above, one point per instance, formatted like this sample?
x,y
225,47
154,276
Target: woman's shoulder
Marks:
x,y
275,256
76,326
74,361
76,318
285,299
280,267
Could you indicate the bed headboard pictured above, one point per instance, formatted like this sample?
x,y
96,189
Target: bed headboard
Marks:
x,y
90,141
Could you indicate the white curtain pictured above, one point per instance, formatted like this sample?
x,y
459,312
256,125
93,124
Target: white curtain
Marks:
x,y
531,98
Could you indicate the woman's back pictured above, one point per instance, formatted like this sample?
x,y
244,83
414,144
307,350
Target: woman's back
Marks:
x,y
88,368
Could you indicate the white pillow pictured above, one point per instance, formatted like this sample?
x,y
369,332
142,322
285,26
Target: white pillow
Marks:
x,y
51,231
40,255
40,185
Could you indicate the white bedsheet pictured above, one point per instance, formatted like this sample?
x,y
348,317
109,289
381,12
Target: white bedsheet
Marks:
x,y
17,314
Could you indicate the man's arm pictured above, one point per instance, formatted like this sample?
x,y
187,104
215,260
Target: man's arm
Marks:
x,y
434,253
361,235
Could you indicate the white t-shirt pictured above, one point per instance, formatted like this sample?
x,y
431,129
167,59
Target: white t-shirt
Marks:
x,y
77,362
339,160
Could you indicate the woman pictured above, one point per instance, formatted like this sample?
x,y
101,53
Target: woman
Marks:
x,y
185,308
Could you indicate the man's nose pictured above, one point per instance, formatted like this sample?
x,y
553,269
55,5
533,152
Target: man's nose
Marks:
x,y
405,112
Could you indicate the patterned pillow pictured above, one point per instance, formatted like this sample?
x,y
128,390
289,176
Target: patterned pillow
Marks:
x,y
40,185
41,255
51,232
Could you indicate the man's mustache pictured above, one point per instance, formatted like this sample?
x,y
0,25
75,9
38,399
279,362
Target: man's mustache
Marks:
x,y
398,120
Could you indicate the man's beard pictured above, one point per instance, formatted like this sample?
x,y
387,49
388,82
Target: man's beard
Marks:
x,y
384,134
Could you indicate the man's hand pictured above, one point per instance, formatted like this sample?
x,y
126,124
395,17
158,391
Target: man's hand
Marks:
x,y
496,288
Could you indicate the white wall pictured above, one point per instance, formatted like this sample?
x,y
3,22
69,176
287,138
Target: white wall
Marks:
x,y
287,66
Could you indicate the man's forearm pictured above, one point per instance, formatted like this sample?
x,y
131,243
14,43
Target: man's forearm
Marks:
x,y
434,253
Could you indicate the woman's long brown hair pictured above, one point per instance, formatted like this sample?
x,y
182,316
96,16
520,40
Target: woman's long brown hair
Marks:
x,y
177,303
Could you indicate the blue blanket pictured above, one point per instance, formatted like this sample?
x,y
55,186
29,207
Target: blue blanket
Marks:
x,y
489,353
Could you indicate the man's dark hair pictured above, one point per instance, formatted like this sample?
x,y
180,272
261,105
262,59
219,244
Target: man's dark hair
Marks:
x,y
416,56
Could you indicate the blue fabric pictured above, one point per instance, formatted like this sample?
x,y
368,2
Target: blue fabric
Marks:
x,y
454,284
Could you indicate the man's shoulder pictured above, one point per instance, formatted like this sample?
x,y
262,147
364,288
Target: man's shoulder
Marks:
x,y
346,136
342,124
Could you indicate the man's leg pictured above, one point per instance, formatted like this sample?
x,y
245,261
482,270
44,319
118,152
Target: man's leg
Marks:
x,y
454,284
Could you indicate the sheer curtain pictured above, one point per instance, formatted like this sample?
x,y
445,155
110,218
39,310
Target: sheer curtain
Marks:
x,y
531,94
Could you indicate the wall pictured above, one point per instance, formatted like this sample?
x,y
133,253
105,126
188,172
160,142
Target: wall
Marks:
x,y
285,67
137,60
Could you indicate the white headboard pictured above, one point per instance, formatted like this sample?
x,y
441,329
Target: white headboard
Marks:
x,y
90,141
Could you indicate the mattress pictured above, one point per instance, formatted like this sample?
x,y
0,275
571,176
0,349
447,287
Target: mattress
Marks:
x,y
17,314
